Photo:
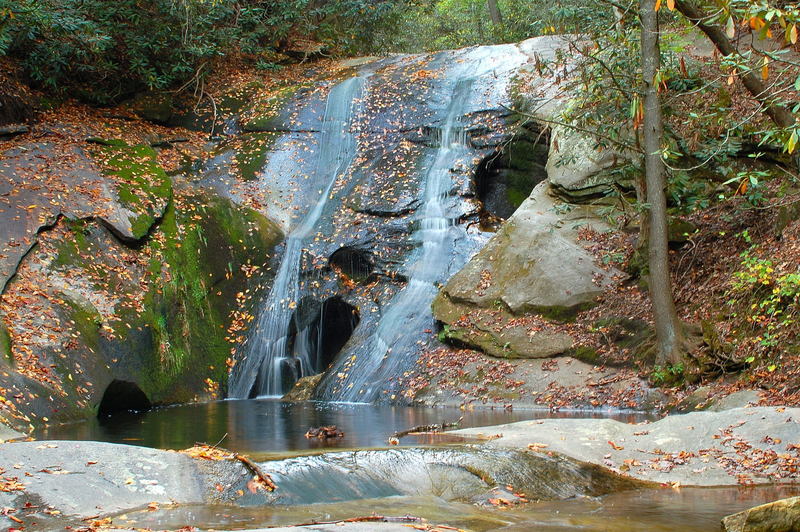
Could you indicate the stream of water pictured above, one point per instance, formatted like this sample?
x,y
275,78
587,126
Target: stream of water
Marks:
x,y
268,369
366,377
391,480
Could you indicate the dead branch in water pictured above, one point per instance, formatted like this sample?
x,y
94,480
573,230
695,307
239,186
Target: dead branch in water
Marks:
x,y
368,519
264,478
213,452
436,427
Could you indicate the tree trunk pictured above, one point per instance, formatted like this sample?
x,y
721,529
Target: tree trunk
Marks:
x,y
494,12
669,332
777,112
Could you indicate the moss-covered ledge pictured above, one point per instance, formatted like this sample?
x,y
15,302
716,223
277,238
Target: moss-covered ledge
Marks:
x,y
160,313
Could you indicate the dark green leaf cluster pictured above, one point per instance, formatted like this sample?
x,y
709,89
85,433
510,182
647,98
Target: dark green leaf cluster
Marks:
x,y
103,50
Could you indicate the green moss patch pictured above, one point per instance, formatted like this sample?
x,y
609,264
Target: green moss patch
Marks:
x,y
265,112
206,250
142,185
5,345
250,154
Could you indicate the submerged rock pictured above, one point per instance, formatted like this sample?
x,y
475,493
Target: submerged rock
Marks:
x,y
778,516
462,474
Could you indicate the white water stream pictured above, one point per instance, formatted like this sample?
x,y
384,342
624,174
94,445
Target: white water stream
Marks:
x,y
267,360
366,376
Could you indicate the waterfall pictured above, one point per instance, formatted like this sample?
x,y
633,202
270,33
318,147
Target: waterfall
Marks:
x,y
267,367
391,350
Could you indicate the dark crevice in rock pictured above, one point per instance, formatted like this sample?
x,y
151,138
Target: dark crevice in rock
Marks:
x,y
354,262
337,322
34,242
319,332
506,177
123,396
387,213
136,243
282,130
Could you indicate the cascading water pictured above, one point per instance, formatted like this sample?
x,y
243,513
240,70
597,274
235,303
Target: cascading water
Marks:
x,y
267,362
365,376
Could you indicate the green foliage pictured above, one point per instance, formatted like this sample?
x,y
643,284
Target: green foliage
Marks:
x,y
668,374
447,24
773,295
103,51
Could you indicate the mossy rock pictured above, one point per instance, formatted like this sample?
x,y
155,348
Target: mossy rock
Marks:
x,y
189,314
5,346
303,390
153,106
266,114
172,344
680,231
250,153
143,188
786,215
494,333
586,354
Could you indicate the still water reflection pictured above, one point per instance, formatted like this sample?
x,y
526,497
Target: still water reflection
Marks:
x,y
266,425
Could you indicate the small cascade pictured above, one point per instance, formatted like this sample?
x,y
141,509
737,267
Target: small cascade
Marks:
x,y
366,376
268,369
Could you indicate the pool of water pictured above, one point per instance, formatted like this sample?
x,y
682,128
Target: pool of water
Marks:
x,y
259,426
652,510
270,428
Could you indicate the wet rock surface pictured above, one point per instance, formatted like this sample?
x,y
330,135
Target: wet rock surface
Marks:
x,y
738,446
65,481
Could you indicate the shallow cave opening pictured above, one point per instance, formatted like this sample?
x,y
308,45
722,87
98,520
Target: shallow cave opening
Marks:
x,y
338,320
321,337
354,262
506,177
123,396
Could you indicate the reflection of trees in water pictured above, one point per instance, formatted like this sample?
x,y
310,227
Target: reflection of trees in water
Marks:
x,y
254,426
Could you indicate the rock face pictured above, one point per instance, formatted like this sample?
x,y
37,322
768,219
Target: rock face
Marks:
x,y
778,516
535,266
118,286
303,389
533,263
43,181
698,449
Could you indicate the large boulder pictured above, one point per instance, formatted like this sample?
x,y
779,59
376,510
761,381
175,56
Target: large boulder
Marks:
x,y
534,264
577,170
778,516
